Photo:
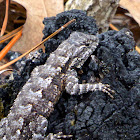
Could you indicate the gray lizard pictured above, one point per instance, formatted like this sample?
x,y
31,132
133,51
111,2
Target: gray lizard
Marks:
x,y
28,115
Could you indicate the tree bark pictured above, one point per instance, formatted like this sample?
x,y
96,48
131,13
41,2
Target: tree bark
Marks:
x,y
101,10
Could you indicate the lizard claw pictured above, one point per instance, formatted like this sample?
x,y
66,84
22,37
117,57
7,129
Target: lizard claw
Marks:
x,y
106,89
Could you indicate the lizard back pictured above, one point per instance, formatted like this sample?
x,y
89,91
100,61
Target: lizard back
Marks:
x,y
34,103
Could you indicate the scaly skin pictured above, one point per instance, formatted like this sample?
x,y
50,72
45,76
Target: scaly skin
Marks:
x,y
28,115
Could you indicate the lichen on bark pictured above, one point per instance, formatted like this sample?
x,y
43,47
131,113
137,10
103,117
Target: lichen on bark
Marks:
x,y
101,10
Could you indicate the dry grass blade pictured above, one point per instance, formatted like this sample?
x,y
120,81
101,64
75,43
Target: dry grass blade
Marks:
x,y
56,32
5,31
113,27
19,21
2,71
10,44
5,19
10,35
137,49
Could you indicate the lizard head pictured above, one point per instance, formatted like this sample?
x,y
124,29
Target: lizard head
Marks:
x,y
84,46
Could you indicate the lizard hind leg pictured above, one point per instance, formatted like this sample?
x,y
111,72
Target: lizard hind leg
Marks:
x,y
74,88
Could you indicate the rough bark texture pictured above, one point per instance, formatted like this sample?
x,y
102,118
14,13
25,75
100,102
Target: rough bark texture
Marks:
x,y
92,116
101,10
28,115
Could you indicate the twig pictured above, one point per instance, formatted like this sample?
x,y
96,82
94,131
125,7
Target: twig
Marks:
x,y
2,71
52,35
5,19
10,44
10,35
137,49
5,32
22,21
113,27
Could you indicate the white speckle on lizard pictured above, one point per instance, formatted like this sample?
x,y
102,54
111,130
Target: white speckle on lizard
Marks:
x,y
33,105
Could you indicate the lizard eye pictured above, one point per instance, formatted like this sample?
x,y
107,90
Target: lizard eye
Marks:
x,y
89,42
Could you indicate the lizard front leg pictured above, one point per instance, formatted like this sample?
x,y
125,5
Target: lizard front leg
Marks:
x,y
74,88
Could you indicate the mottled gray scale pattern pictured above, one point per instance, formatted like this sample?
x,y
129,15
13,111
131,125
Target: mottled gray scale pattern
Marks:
x,y
28,115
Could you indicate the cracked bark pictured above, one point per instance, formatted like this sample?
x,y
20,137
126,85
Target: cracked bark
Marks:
x,y
101,10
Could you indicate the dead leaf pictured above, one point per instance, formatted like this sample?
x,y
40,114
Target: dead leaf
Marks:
x,y
54,7
32,31
133,6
